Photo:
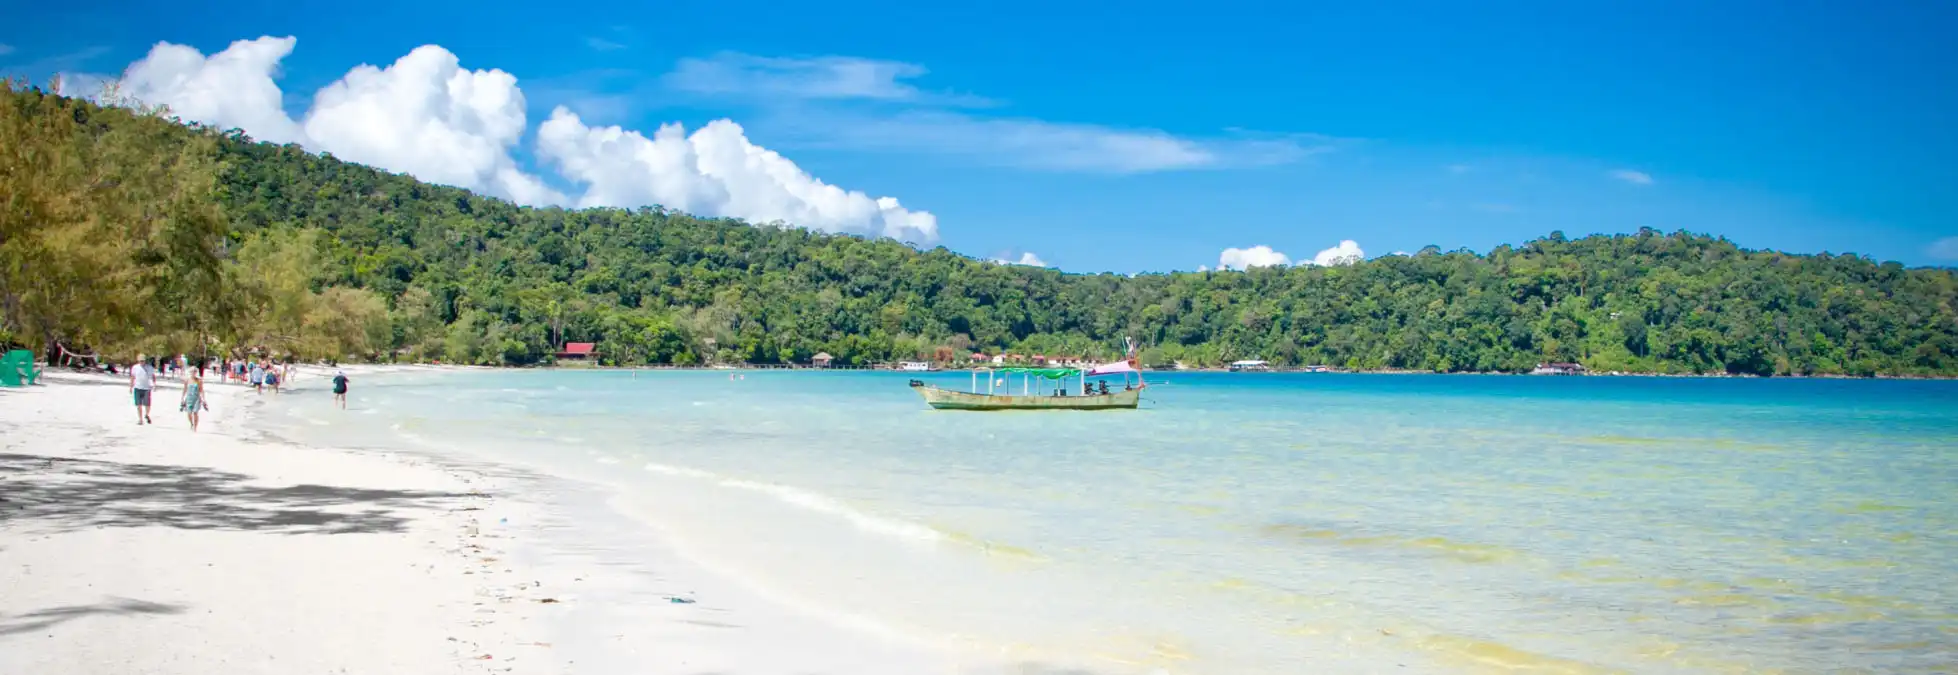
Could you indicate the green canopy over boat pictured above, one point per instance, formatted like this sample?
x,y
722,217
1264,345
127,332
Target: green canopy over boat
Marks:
x,y
1049,373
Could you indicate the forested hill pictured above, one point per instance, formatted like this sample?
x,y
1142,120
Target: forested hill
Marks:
x,y
393,265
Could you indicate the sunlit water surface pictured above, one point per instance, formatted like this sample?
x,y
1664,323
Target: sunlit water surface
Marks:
x,y
1245,524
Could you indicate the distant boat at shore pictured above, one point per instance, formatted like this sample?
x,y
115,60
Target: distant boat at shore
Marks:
x,y
1072,391
1559,369
950,399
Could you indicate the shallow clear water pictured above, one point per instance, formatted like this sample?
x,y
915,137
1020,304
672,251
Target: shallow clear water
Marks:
x,y
1250,524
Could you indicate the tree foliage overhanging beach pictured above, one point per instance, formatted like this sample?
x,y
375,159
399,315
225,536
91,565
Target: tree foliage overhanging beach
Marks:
x,y
123,231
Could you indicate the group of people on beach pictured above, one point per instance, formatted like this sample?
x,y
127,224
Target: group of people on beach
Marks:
x,y
144,373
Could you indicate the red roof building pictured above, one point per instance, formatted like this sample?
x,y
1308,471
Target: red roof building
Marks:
x,y
577,350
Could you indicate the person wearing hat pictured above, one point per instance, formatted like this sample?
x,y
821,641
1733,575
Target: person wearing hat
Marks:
x,y
340,388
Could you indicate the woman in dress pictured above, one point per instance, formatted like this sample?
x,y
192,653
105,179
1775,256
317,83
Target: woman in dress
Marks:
x,y
193,399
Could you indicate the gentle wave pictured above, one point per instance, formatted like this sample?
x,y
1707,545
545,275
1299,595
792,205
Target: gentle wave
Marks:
x,y
811,501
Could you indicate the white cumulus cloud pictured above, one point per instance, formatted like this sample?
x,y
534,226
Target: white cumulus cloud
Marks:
x,y
428,116
1633,177
232,89
1246,258
1026,258
1346,253
715,171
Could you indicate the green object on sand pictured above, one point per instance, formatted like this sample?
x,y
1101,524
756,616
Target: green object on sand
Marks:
x,y
17,368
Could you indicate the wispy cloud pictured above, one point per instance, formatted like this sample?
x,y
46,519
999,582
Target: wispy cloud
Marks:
x,y
823,77
842,102
1944,249
602,44
60,63
1042,145
6,49
1633,177
606,95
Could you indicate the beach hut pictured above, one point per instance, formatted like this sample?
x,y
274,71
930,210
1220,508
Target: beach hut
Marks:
x,y
821,360
577,351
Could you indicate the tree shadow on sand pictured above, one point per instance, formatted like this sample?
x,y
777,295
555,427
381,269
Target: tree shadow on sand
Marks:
x,y
44,618
73,494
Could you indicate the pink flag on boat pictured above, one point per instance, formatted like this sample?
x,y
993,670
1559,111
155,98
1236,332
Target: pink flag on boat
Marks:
x,y
1111,368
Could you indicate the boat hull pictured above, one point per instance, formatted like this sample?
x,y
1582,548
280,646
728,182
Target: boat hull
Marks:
x,y
947,399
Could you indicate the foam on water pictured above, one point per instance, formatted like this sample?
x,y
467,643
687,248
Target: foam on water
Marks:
x,y
827,505
656,467
808,500
1284,524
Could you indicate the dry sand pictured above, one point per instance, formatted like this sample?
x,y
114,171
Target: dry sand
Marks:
x,y
150,549
129,548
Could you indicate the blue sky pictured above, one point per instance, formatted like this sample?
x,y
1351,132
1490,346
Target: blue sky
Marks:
x,y
1156,135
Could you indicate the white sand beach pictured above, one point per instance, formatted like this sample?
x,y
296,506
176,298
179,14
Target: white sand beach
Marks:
x,y
129,548
150,549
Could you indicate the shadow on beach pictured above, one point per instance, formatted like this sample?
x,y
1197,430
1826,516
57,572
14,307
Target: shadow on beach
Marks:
x,y
44,618
70,494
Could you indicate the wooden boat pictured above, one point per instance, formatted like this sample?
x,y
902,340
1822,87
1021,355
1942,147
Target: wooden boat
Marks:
x,y
1073,382
951,399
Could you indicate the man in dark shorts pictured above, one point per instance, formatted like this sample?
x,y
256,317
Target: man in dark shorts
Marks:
x,y
340,389
142,379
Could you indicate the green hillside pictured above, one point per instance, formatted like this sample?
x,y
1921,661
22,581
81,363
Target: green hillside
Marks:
x,y
204,237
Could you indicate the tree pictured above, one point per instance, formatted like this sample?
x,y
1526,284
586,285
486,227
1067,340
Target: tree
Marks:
x,y
107,198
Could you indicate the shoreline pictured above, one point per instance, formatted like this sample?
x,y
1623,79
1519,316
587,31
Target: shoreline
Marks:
x,y
147,548
427,367
237,549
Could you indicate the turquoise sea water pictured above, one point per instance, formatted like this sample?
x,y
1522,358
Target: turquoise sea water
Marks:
x,y
1247,524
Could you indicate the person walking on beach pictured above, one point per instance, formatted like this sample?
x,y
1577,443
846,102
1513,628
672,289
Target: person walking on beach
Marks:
x,y
142,379
258,377
193,398
272,377
340,388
